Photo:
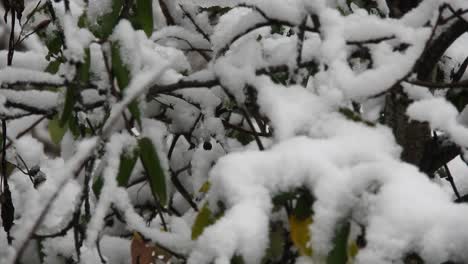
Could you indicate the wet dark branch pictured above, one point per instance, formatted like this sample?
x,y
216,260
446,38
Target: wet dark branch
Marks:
x,y
166,13
459,74
183,84
241,129
437,48
27,85
432,85
195,24
369,41
268,23
438,152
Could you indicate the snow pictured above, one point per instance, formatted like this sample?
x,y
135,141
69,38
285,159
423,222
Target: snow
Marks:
x,y
441,115
13,75
97,8
352,168
27,60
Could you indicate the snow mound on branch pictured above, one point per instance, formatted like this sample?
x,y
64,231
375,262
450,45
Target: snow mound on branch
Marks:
x,y
342,169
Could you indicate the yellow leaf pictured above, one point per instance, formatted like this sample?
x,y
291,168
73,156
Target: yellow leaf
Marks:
x,y
205,187
300,234
353,250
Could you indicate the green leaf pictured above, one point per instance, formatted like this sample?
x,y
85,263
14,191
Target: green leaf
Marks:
x,y
277,29
122,74
144,14
127,163
82,76
304,204
277,241
70,100
97,185
54,43
339,253
154,171
83,68
237,260
53,66
56,131
204,218
83,21
107,22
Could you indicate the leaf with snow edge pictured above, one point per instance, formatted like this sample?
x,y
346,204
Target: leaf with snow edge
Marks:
x,y
107,22
304,202
126,165
54,43
53,66
97,185
205,187
339,253
144,15
277,241
83,68
154,172
122,74
82,77
204,218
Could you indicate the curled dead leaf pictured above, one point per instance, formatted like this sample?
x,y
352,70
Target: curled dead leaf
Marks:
x,y
147,253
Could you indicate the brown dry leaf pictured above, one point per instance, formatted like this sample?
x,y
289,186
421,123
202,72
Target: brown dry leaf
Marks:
x,y
148,253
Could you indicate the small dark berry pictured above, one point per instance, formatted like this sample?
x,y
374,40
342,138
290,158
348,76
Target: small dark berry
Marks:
x,y
207,145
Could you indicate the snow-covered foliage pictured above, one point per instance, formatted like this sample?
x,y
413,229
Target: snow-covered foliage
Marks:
x,y
233,131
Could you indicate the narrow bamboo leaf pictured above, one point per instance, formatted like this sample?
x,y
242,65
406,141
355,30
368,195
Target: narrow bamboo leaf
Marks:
x,y
97,186
70,100
56,131
204,218
154,171
127,163
82,77
339,253
122,74
277,241
135,111
144,14
83,68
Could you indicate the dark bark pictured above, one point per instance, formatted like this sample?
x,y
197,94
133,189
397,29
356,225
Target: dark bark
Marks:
x,y
400,7
415,137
